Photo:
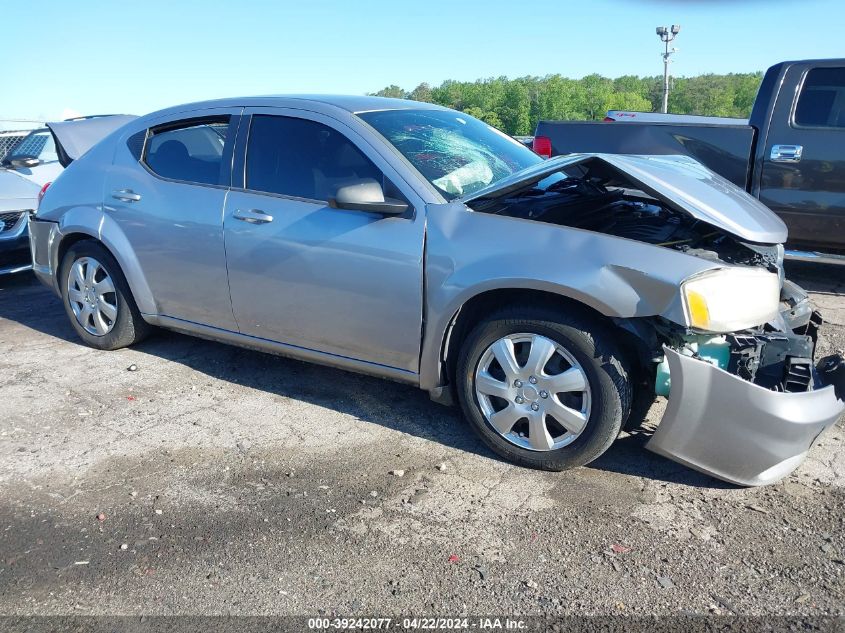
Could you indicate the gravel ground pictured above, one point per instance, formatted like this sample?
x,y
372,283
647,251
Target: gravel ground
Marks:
x,y
219,480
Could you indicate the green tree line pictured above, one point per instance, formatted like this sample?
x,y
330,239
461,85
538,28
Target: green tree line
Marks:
x,y
515,105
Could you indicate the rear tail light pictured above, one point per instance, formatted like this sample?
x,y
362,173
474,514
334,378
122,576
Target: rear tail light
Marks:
x,y
608,118
542,145
42,192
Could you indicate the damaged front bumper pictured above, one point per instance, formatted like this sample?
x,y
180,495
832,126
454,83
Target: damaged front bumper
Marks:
x,y
738,431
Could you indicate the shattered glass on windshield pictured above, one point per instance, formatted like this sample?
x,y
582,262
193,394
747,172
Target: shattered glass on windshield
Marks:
x,y
454,152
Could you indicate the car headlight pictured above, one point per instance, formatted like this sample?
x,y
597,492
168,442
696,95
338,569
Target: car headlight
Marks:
x,y
731,299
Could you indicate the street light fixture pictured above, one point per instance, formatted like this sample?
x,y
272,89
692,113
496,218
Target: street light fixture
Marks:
x,y
666,36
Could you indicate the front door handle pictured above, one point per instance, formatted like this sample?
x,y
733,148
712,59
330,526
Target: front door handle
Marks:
x,y
786,153
253,216
125,195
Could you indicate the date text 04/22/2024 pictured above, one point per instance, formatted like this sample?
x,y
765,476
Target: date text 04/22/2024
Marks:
x,y
424,624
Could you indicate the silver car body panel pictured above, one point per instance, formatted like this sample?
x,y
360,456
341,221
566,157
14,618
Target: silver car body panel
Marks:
x,y
732,429
679,181
43,237
174,233
348,283
83,216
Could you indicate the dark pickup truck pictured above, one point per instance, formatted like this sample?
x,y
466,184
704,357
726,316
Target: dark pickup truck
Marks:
x,y
790,154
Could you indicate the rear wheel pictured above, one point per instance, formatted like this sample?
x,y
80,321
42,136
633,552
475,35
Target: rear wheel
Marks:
x,y
97,298
544,389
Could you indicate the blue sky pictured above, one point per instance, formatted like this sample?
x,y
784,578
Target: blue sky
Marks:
x,y
98,56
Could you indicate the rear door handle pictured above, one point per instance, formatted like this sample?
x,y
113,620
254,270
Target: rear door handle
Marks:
x,y
253,216
126,195
786,153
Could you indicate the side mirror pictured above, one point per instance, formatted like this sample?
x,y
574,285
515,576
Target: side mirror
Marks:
x,y
24,162
366,195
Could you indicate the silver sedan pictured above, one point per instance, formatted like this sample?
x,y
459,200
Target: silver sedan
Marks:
x,y
554,300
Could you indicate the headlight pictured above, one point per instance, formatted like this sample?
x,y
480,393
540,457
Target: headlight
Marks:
x,y
731,299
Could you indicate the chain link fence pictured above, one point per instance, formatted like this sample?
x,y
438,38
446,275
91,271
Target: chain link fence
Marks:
x,y
12,131
10,138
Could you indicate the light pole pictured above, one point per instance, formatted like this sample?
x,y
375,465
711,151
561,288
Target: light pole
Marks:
x,y
666,36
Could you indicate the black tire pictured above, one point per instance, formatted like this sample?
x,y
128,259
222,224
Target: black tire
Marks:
x,y
595,349
129,327
641,400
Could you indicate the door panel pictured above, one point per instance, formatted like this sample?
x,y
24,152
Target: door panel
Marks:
x,y
343,282
808,193
176,231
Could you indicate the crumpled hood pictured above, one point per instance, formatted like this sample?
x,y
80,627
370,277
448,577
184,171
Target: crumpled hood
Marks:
x,y
77,137
678,181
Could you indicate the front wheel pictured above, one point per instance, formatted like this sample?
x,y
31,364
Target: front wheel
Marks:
x,y
97,298
543,389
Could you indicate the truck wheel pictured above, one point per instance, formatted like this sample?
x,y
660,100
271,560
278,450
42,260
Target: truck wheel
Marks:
x,y
543,389
97,298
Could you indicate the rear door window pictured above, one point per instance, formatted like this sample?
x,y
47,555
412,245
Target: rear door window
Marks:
x,y
302,158
822,99
190,151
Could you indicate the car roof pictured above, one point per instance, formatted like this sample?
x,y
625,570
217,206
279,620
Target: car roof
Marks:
x,y
351,103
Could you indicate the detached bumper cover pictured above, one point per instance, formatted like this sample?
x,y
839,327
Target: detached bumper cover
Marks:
x,y
734,430
41,236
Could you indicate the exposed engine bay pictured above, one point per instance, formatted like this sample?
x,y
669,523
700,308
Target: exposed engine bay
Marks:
x,y
779,360
595,196
779,356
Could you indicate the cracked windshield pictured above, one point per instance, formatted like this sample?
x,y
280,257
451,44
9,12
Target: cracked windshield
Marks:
x,y
458,154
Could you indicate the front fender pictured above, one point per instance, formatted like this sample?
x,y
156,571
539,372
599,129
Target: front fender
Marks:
x,y
468,253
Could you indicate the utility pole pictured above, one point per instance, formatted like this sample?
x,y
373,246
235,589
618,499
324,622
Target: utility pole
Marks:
x,y
666,36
